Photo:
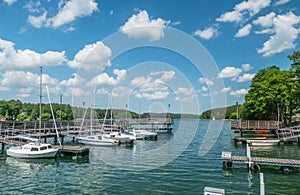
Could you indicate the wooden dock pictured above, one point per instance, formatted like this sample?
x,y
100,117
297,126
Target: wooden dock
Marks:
x,y
254,163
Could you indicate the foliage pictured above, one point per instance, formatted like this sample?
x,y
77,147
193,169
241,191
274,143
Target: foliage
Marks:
x,y
273,90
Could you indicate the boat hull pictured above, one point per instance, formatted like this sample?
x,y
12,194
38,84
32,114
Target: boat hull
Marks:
x,y
263,142
97,142
14,152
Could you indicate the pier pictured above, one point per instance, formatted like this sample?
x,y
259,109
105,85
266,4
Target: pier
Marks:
x,y
254,163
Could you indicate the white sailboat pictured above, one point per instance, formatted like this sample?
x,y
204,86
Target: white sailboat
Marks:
x,y
34,149
97,139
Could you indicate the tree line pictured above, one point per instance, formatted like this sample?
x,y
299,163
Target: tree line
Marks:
x,y
273,93
16,110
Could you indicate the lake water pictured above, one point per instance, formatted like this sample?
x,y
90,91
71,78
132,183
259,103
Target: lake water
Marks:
x,y
170,165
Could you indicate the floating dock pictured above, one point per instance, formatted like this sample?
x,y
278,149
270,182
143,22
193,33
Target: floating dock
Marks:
x,y
254,163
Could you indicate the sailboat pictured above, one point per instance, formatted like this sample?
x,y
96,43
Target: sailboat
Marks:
x,y
34,149
98,139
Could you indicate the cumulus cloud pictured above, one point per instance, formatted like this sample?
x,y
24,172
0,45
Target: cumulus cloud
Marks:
x,y
67,13
10,2
185,94
230,72
206,81
281,2
10,58
141,26
244,31
104,78
265,21
285,34
207,33
77,80
238,93
93,57
245,77
25,82
244,9
226,89
246,67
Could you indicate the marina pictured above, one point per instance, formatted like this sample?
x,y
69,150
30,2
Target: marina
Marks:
x,y
107,169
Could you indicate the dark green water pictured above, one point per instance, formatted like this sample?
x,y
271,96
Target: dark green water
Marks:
x,y
166,166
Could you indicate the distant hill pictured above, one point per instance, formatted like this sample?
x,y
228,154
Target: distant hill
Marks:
x,y
220,113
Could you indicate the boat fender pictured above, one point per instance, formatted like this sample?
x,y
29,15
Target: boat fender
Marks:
x,y
229,164
255,167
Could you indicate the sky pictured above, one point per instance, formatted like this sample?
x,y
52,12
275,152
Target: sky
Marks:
x,y
143,55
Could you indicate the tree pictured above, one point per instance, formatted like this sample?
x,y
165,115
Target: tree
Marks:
x,y
270,88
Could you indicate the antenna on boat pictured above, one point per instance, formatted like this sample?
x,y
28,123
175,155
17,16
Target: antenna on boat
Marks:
x,y
40,117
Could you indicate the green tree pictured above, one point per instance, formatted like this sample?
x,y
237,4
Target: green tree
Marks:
x,y
269,89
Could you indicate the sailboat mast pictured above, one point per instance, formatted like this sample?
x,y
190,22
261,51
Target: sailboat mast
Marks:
x,y
41,88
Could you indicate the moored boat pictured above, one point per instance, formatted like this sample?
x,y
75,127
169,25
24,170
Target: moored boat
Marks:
x,y
97,140
33,150
263,142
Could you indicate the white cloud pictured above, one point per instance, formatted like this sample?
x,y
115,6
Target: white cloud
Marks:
x,y
207,33
140,26
246,8
10,2
239,92
226,89
246,67
10,58
93,57
156,95
104,78
37,21
244,31
121,91
102,91
140,80
245,77
77,80
284,37
265,31
207,81
25,82
230,72
165,76
281,2
185,94
67,13
204,88
265,21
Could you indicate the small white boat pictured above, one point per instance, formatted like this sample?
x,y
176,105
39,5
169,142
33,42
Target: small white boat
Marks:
x,y
121,137
97,140
33,150
263,142
143,134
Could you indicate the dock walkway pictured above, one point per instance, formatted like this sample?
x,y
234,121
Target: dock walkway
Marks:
x,y
254,163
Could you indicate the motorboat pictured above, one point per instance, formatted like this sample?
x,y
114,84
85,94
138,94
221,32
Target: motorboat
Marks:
x,y
33,150
263,142
97,140
143,134
121,137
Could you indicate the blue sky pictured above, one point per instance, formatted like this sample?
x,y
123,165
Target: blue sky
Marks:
x,y
146,54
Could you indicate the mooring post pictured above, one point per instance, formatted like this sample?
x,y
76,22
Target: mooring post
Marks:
x,y
262,184
248,155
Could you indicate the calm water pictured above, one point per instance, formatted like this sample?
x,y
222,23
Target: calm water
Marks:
x,y
166,166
